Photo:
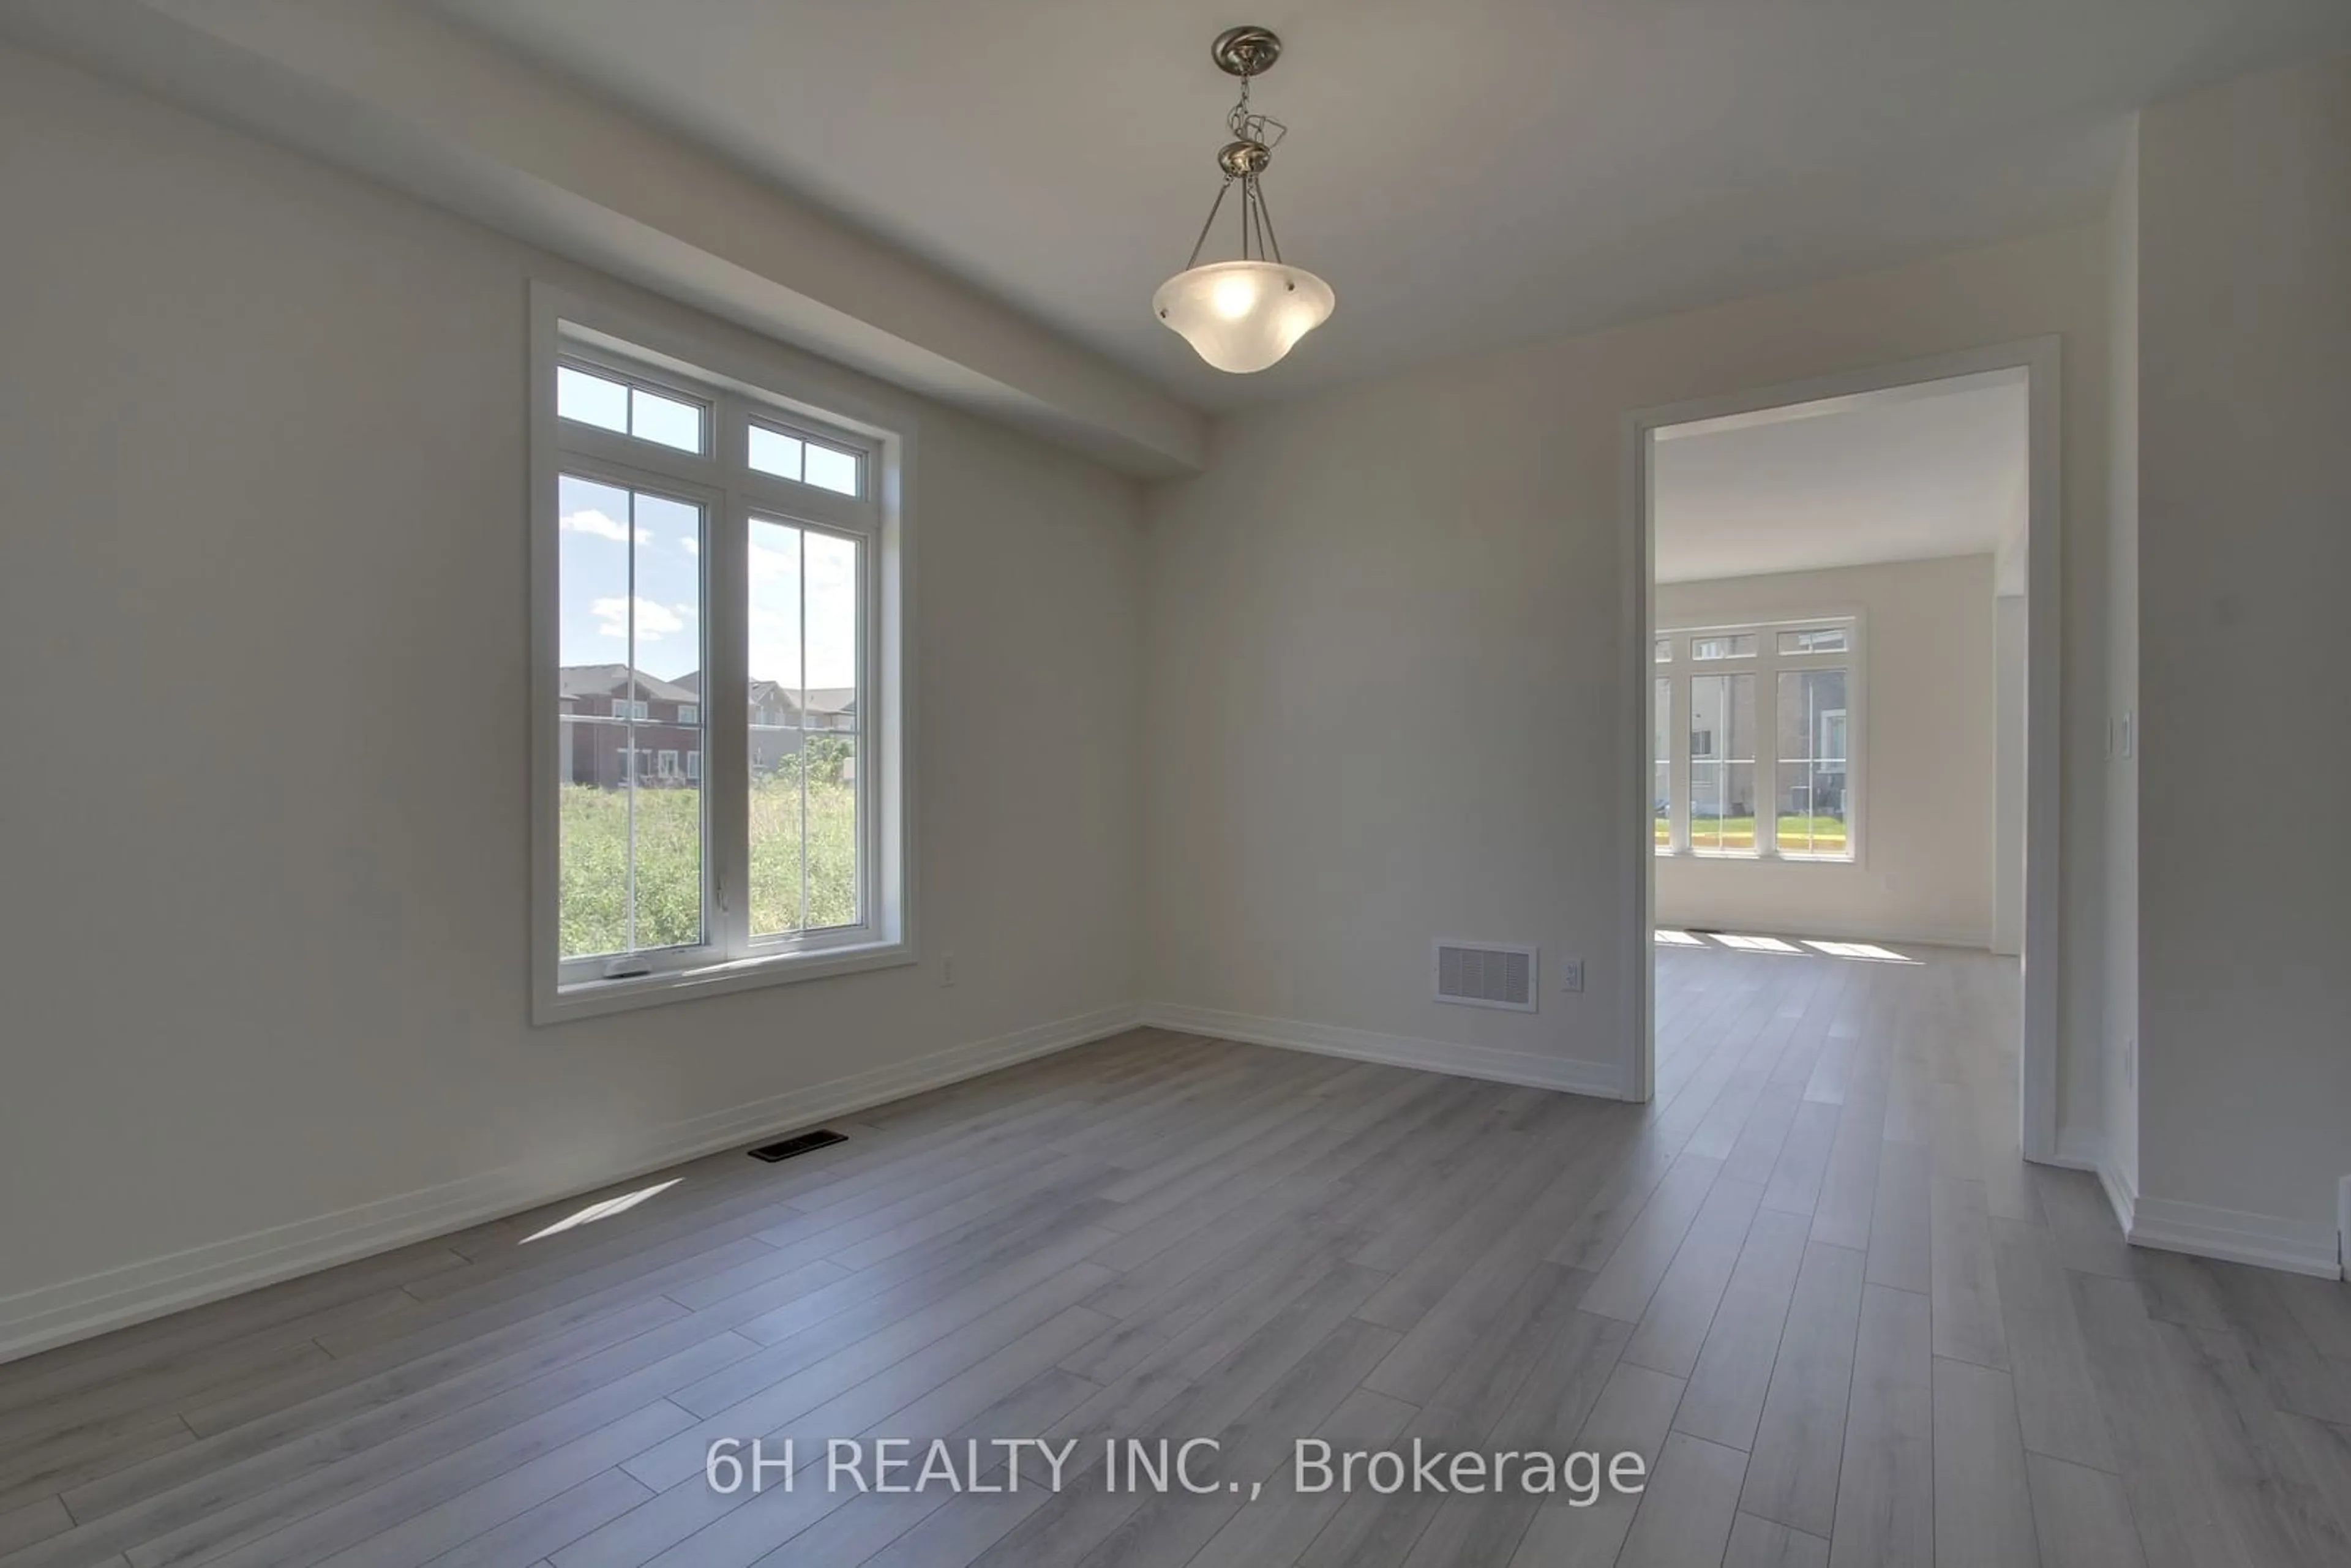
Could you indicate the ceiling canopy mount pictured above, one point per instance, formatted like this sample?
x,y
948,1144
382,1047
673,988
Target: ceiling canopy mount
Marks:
x,y
1246,51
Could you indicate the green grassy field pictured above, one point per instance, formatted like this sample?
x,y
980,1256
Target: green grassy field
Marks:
x,y
1827,834
595,836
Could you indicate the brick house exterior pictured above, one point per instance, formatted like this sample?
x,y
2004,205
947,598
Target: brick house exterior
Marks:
x,y
665,745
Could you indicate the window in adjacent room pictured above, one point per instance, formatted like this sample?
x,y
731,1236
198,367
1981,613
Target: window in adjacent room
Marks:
x,y
1661,748
1772,726
708,548
1813,640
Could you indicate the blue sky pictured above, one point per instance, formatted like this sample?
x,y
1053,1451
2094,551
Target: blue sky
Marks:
x,y
596,522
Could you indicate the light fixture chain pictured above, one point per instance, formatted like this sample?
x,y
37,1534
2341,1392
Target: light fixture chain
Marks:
x,y
1265,220
1212,207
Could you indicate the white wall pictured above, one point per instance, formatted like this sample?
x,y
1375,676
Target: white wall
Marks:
x,y
1386,657
423,102
262,611
1925,868
2010,625
2244,533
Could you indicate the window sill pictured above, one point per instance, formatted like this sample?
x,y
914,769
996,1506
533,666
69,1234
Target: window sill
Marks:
x,y
1755,855
593,998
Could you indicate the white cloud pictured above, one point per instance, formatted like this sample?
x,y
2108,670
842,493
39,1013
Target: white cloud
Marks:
x,y
788,599
602,525
654,621
689,544
831,648
769,564
831,565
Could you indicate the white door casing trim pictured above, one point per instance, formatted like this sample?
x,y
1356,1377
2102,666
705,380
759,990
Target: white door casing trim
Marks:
x,y
2040,358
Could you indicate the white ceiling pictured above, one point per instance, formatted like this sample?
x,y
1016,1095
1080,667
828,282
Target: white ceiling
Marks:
x,y
1465,172
1913,473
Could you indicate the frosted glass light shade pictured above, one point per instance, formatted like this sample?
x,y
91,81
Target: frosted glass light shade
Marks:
x,y
1242,316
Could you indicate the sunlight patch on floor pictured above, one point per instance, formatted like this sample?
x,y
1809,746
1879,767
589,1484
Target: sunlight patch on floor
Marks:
x,y
1747,942
1870,951
603,1210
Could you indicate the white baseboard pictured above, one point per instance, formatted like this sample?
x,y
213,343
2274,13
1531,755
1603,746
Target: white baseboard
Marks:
x,y
2122,1192
76,1308
2267,1241
2079,1148
1571,1074
2228,1234
2085,1149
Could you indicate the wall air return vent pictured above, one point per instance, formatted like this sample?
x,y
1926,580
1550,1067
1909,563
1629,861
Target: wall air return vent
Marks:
x,y
1483,975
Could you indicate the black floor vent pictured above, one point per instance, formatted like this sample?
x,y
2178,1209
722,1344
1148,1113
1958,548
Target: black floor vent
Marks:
x,y
823,1138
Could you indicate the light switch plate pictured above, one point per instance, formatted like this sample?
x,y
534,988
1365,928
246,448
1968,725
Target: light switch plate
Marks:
x,y
1571,974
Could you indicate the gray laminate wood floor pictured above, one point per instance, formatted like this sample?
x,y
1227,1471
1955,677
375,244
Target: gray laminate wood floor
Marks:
x,y
1813,1282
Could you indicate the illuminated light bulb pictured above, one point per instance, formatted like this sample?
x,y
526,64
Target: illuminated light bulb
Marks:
x,y
1243,316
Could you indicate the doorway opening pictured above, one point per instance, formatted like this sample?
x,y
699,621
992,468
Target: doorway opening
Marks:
x,y
1841,698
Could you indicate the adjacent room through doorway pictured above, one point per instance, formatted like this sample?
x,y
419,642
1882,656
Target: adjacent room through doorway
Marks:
x,y
1836,683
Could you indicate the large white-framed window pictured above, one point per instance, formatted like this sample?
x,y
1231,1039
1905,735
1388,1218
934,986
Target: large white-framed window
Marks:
x,y
697,614
1764,763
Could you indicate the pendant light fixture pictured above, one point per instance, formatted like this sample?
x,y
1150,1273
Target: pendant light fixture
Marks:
x,y
1243,316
